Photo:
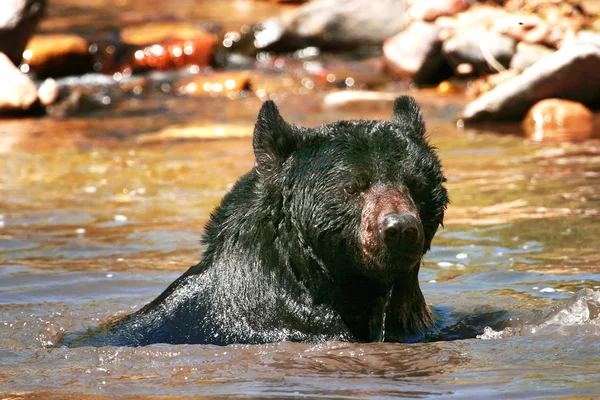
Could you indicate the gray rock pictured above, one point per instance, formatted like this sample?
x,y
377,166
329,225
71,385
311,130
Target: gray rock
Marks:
x,y
528,54
486,51
416,52
18,20
333,24
571,73
585,37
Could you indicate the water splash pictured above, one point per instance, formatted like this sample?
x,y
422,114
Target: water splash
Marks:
x,y
581,310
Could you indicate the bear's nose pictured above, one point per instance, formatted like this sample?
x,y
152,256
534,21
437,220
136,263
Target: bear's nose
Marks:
x,y
400,228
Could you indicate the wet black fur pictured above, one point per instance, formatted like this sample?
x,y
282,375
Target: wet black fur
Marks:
x,y
282,258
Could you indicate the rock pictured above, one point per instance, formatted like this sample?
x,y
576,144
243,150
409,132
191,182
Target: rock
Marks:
x,y
18,20
478,16
415,53
18,93
48,92
57,55
486,51
170,54
330,24
558,119
528,54
585,37
156,32
571,73
430,10
530,29
166,46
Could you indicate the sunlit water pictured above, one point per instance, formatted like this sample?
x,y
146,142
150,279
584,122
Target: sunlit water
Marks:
x,y
96,220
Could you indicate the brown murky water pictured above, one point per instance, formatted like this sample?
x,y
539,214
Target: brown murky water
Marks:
x,y
98,216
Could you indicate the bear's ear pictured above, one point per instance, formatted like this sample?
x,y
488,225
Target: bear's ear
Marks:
x,y
408,114
274,139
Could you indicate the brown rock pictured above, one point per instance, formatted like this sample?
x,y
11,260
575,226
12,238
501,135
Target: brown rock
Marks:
x,y
430,10
17,92
18,20
166,46
57,55
415,53
156,32
558,119
571,73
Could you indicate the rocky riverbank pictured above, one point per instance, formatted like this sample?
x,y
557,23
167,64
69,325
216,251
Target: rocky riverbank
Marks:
x,y
499,57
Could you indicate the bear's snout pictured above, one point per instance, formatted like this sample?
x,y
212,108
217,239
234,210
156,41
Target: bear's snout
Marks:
x,y
391,229
401,230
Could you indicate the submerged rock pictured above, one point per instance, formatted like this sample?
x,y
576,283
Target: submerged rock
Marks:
x,y
332,24
558,119
18,93
415,53
18,20
571,73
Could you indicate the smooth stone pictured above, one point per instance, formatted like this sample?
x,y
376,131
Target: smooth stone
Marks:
x,y
558,119
17,92
528,54
415,53
571,73
486,51
328,24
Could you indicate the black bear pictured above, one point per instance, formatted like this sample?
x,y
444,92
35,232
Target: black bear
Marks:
x,y
321,240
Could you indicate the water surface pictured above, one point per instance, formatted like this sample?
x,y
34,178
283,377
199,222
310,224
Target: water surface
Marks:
x,y
98,216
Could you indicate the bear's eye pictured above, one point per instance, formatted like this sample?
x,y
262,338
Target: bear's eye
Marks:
x,y
351,189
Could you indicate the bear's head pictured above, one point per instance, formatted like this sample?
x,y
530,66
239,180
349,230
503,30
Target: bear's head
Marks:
x,y
362,197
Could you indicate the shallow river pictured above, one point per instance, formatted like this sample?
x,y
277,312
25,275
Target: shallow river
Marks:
x,y
99,214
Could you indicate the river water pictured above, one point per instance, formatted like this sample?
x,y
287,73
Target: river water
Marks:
x,y
99,213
